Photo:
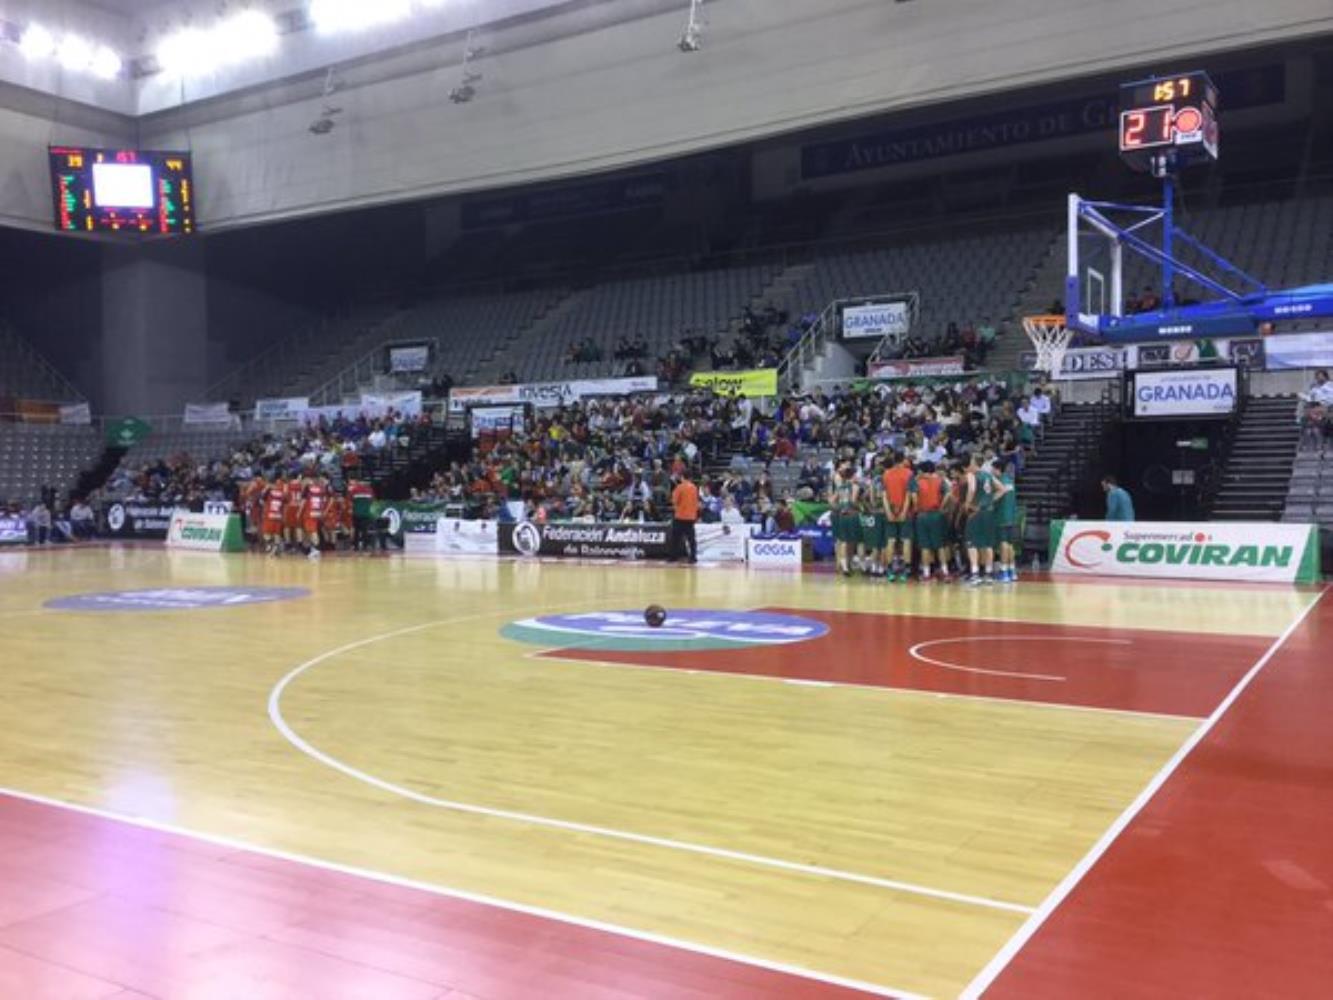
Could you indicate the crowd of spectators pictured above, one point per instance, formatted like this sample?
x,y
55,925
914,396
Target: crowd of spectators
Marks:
x,y
334,448
615,459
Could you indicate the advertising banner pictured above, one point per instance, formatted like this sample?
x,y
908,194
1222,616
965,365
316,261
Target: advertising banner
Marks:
x,y
751,384
377,404
288,408
722,542
916,368
412,358
209,413
1299,350
205,532
1268,553
775,553
875,320
495,420
76,413
405,517
130,519
1199,392
1086,362
717,542
1244,352
547,395
467,538
13,530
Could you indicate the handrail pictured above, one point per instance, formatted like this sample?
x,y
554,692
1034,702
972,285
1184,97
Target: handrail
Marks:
x,y
825,327
365,365
50,371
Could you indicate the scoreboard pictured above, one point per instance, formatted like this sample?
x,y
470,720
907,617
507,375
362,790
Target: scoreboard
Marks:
x,y
1168,120
122,191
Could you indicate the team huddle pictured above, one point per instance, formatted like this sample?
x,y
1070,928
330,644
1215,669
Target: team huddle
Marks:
x,y
880,517
299,513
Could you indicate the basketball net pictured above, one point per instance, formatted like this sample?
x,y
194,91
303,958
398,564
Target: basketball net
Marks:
x,y
1050,337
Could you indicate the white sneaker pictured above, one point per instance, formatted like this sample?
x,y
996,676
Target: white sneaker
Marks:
x,y
314,555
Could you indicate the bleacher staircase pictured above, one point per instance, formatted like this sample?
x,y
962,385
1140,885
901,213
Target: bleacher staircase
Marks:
x,y
1064,458
1258,468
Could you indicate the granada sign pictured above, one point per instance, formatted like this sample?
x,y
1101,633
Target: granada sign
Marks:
x,y
1263,553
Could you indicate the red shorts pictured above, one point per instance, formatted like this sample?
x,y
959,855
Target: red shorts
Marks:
x,y
291,517
272,526
311,525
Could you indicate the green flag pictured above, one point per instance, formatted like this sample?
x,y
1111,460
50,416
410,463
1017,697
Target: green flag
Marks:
x,y
125,432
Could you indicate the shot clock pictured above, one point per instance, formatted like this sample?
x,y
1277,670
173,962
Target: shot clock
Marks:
x,y
1168,122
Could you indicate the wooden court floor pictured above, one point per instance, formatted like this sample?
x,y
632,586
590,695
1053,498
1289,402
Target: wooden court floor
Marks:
x,y
883,798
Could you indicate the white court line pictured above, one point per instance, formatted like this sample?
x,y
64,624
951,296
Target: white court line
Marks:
x,y
567,660
532,819
996,965
915,652
468,897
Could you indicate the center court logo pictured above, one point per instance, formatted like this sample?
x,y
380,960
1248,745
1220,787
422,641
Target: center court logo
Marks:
x,y
174,598
686,629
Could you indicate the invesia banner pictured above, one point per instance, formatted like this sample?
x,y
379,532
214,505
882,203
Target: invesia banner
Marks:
x,y
1268,553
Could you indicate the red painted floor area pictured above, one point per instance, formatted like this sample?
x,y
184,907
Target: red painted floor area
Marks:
x,y
1168,672
93,909
1222,887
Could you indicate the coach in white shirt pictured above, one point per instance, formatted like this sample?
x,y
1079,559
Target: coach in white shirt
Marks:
x,y
1321,391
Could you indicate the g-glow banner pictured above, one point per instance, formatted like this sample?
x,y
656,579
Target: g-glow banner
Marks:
x,y
1201,392
751,384
1265,553
916,368
875,320
547,394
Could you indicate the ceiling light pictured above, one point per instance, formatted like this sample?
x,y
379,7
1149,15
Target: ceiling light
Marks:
x,y
37,43
106,63
251,34
348,15
189,52
74,53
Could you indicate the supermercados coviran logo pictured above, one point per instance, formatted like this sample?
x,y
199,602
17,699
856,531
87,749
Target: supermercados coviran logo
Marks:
x,y
1088,549
685,629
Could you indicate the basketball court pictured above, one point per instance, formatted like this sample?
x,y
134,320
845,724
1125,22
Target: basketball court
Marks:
x,y
232,776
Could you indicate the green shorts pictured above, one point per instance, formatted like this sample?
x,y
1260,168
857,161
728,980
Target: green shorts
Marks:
x,y
874,531
931,530
899,531
847,527
1005,534
981,530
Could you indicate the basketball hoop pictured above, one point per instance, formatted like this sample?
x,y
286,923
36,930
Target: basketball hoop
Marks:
x,y
1050,337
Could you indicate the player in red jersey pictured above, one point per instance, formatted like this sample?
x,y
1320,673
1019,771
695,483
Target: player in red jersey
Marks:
x,y
333,519
291,512
252,508
275,507
312,512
